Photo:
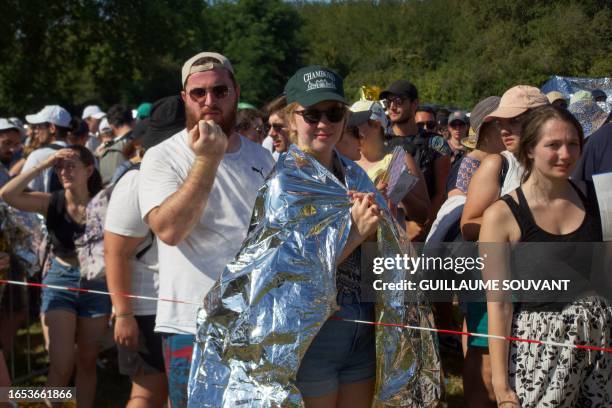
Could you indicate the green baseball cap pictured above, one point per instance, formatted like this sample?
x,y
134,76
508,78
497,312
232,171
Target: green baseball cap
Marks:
x,y
313,84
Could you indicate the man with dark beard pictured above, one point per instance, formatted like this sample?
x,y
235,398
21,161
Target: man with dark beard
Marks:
x,y
430,150
197,190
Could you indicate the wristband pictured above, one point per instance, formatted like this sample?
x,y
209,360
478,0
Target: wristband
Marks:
x,y
119,316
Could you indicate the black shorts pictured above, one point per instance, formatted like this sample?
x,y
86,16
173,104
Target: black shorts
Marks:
x,y
148,357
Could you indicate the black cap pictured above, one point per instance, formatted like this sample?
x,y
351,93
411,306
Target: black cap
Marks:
x,y
313,84
401,88
598,93
167,118
140,129
357,118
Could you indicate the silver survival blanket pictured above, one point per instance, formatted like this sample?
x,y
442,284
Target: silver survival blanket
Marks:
x,y
270,302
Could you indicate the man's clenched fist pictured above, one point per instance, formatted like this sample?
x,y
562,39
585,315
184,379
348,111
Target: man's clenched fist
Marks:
x,y
206,139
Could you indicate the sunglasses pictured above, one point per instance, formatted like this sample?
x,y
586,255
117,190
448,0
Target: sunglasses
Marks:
x,y
429,125
457,124
40,126
313,116
398,100
218,91
278,128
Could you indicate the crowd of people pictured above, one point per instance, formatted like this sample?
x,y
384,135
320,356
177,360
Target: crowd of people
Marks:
x,y
157,202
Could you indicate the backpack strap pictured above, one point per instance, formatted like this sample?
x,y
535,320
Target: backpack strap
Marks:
x,y
134,166
144,250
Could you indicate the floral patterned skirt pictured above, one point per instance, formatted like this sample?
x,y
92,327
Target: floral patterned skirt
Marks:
x,y
547,376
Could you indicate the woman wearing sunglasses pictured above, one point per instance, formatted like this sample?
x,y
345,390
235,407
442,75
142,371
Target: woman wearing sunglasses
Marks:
x,y
338,369
68,318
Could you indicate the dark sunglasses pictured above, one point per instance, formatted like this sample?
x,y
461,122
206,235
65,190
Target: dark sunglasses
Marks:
x,y
429,125
457,124
39,126
276,126
218,91
312,116
398,100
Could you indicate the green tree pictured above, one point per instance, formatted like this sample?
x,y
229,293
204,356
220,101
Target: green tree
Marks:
x,y
260,38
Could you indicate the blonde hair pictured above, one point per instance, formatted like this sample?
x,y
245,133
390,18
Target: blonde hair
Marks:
x,y
288,111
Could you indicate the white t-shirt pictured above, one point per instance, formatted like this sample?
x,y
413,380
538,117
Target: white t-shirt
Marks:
x,y
92,143
188,271
41,181
514,174
268,144
123,218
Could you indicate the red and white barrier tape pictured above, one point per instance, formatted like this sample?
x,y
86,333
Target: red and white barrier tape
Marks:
x,y
404,326
99,292
488,336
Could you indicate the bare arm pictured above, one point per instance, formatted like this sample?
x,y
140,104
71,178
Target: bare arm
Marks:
x,y
482,192
119,251
416,202
17,167
15,195
175,218
441,168
494,239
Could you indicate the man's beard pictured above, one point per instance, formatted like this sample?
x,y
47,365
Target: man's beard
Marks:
x,y
228,121
405,118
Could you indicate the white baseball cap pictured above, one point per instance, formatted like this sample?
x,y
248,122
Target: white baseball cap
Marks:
x,y
365,110
93,111
6,125
51,114
189,68
104,126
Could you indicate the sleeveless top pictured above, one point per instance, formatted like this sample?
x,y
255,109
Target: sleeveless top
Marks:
x,y
560,257
63,230
379,168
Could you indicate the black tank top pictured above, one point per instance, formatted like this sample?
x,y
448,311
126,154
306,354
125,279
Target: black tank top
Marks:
x,y
63,230
562,257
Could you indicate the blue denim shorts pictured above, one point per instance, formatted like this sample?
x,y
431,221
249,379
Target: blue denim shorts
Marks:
x,y
82,304
342,352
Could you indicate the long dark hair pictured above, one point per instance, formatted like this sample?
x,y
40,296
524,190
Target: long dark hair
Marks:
x,y
532,132
94,182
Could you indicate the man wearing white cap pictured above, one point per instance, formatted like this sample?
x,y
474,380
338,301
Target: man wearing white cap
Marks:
x,y
50,126
92,115
196,191
10,140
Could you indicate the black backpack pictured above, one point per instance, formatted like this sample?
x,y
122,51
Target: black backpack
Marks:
x,y
423,154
